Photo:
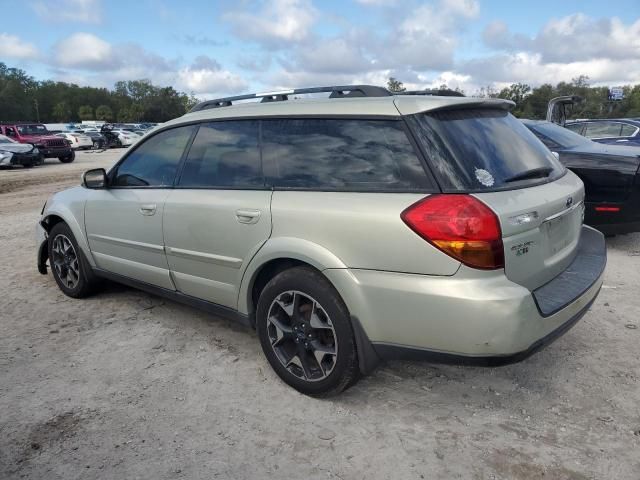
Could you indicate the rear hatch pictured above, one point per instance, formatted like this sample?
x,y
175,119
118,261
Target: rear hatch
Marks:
x,y
488,153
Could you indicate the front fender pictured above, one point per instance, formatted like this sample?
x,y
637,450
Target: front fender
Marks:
x,y
284,248
69,206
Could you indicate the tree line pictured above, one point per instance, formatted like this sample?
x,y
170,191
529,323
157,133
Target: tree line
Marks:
x,y
531,102
23,98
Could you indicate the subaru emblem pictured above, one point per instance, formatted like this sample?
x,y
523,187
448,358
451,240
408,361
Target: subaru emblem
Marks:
x,y
569,202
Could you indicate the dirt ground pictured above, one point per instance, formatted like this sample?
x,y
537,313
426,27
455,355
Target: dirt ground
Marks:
x,y
128,385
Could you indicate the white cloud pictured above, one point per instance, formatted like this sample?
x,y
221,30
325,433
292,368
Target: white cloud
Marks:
x,y
276,23
85,50
14,47
206,78
84,11
531,69
570,39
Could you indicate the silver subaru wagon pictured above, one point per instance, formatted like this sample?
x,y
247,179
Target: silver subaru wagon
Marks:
x,y
346,227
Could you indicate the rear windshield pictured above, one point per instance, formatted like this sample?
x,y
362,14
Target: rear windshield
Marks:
x,y
479,150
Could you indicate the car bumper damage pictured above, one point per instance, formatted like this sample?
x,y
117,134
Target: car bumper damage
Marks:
x,y
470,317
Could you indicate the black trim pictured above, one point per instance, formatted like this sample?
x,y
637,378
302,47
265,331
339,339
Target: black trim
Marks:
x,y
368,359
185,155
335,92
43,256
213,308
579,276
400,352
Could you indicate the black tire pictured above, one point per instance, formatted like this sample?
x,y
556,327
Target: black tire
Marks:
x,y
68,158
343,367
87,281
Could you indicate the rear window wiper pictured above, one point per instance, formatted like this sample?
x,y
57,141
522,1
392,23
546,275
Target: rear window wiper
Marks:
x,y
533,173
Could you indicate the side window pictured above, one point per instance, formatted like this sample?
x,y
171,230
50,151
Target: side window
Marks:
x,y
154,162
574,127
224,154
328,154
628,130
602,130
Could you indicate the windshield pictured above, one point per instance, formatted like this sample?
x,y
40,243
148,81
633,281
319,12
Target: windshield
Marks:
x,y
32,129
4,139
479,150
560,135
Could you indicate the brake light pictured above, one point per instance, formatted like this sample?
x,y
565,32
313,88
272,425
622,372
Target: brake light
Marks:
x,y
461,226
607,209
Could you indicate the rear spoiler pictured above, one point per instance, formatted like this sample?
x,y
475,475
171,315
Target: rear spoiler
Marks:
x,y
410,104
557,108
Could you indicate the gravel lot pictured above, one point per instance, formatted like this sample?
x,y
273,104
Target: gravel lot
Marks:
x,y
128,385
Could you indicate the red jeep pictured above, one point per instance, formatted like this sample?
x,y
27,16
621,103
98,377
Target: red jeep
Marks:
x,y
50,146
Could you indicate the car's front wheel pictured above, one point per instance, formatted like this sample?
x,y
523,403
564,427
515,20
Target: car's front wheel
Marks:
x,y
70,268
305,332
68,158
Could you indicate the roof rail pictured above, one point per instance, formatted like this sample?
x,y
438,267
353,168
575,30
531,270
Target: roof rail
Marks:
x,y
342,91
441,92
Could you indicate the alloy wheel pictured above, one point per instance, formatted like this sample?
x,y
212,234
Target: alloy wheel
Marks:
x,y
302,336
65,261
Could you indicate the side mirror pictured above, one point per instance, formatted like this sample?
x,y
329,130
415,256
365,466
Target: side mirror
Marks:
x,y
556,154
95,178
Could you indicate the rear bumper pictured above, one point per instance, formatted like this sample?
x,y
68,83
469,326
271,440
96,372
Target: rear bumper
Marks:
x,y
473,316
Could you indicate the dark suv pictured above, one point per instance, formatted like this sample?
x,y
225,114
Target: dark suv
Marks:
x,y
49,145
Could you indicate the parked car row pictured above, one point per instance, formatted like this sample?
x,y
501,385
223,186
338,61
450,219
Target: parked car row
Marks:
x,y
47,143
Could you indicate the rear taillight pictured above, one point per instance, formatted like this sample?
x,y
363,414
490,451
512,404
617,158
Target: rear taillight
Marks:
x,y
461,226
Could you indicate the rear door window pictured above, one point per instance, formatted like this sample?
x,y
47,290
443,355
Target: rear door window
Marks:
x,y
602,129
341,154
628,130
224,154
483,150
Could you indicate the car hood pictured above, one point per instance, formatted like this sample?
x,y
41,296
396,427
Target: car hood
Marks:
x,y
604,149
16,147
37,138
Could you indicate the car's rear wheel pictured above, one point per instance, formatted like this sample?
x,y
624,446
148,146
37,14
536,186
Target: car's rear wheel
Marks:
x,y
305,332
68,158
70,268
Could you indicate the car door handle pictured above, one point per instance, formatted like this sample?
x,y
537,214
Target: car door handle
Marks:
x,y
247,215
148,209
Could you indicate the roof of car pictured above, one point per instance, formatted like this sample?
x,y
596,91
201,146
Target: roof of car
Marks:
x,y
390,105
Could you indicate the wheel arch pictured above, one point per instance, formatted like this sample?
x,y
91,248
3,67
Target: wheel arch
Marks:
x,y
275,256
56,215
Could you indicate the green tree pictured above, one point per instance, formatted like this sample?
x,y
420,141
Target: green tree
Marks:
x,y
61,112
104,113
394,85
85,112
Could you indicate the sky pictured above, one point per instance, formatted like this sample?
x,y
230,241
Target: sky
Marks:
x,y
218,48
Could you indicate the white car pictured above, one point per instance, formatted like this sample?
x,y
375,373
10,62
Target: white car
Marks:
x,y
126,137
78,140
